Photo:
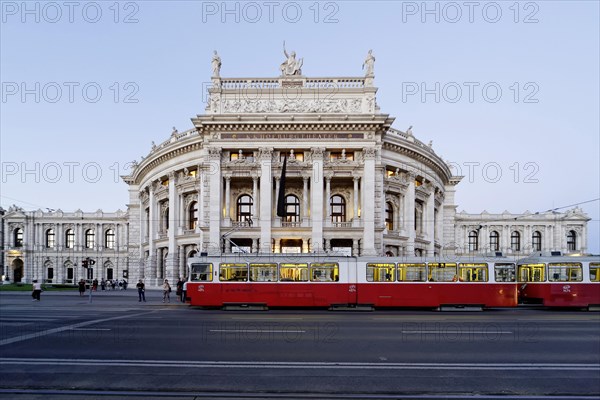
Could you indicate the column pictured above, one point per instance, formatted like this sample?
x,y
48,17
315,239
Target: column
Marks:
x,y
327,199
254,197
316,192
409,214
152,225
172,262
182,263
368,213
201,218
355,247
429,223
277,220
215,179
266,197
355,219
304,200
227,215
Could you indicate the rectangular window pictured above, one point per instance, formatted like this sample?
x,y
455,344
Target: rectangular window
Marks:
x,y
442,272
233,272
473,272
504,272
594,272
531,272
381,272
201,272
565,272
324,272
342,155
263,272
293,272
412,272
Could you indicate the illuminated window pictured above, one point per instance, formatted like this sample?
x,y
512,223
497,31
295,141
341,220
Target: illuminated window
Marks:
x,y
594,272
341,155
201,272
473,272
381,272
90,238
233,272
109,239
565,272
338,208
70,238
324,272
531,272
412,272
50,238
293,272
389,216
193,215
244,208
18,237
263,272
292,208
442,272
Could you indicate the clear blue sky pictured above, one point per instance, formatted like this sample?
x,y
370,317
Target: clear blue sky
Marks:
x,y
508,91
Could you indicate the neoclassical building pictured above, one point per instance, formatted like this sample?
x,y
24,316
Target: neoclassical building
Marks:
x,y
352,185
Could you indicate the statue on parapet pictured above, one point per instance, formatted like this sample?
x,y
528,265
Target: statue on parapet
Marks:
x,y
370,64
216,65
291,66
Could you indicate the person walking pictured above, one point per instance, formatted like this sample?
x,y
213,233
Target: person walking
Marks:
x,y
166,291
141,289
37,290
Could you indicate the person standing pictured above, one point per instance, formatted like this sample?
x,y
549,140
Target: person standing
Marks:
x,y
179,291
81,285
37,290
166,291
141,289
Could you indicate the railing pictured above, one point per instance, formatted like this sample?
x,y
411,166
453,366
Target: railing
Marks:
x,y
312,83
287,224
341,224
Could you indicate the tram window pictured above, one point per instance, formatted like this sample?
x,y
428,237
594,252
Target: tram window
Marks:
x,y
233,272
504,272
263,272
381,272
412,272
442,272
473,272
565,272
324,272
594,272
531,272
201,272
293,272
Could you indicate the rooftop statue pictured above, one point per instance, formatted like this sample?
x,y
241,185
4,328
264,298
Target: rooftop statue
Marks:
x,y
291,66
216,65
370,64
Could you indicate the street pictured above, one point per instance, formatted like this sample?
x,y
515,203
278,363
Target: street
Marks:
x,y
65,346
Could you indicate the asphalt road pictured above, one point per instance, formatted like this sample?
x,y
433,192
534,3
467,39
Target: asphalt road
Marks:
x,y
115,347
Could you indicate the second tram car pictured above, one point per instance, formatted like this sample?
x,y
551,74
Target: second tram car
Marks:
x,y
307,280
560,281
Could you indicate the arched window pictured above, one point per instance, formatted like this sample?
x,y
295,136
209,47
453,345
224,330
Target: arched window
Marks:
x,y
50,238
571,241
166,219
292,208
515,241
419,217
473,241
193,215
389,216
494,241
338,208
90,238
536,241
244,208
70,238
109,239
18,237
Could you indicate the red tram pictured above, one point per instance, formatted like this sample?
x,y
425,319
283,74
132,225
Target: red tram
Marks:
x,y
307,280
560,281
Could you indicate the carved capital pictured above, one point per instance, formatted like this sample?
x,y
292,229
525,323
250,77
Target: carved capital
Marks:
x,y
265,153
369,153
317,153
214,153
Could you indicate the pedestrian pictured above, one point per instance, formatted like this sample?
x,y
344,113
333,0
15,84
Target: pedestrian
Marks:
x,y
124,284
184,292
81,287
179,291
37,290
166,291
141,289
103,284
95,284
